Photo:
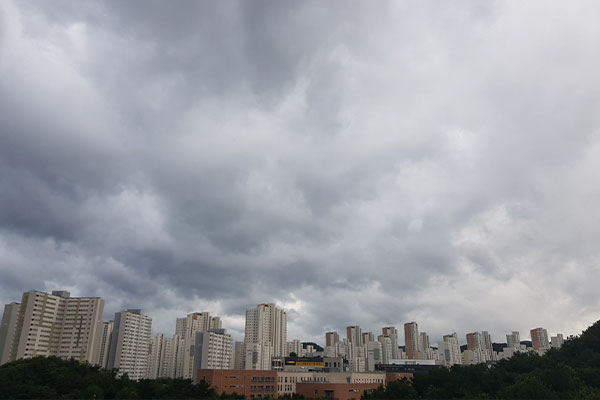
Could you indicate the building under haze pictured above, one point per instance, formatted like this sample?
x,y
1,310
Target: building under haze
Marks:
x,y
52,325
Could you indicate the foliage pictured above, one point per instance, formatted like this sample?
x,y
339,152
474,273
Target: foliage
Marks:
x,y
572,372
55,378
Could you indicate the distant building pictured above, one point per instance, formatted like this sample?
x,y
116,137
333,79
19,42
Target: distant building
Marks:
x,y
354,335
332,338
130,343
513,340
539,339
295,346
392,333
411,340
557,341
449,350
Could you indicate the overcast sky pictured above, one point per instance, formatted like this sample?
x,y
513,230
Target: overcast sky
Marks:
x,y
365,163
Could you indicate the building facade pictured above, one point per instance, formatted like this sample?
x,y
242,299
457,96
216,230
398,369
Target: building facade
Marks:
x,y
411,340
130,343
54,325
265,335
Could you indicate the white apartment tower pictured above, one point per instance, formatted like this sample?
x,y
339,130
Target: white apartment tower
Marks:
x,y
187,328
266,326
557,341
130,343
213,349
449,350
392,333
513,340
52,325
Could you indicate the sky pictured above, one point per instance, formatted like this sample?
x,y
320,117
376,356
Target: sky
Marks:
x,y
355,162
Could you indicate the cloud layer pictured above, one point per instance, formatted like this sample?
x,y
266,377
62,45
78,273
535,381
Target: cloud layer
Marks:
x,y
358,163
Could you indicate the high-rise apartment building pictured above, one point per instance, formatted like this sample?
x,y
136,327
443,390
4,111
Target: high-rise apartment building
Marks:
x,y
411,340
187,328
331,338
539,339
54,325
106,335
392,333
7,330
265,336
213,349
367,337
155,356
557,341
354,335
449,350
239,352
130,343
513,340
295,346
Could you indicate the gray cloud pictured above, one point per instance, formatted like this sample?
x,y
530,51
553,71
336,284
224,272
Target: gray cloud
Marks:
x,y
357,163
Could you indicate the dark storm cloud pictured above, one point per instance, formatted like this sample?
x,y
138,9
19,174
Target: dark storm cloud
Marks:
x,y
356,163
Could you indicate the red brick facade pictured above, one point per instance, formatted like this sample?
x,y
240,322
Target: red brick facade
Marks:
x,y
252,384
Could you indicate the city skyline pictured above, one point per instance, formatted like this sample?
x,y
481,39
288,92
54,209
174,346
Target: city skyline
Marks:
x,y
203,321
355,163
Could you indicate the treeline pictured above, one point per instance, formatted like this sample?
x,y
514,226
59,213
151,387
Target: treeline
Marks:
x,y
571,372
55,378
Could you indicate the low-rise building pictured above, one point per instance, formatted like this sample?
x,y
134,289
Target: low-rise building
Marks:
x,y
251,383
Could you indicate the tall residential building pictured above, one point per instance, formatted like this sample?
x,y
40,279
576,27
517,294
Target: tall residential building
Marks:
x,y
213,349
557,341
476,346
238,355
187,328
386,348
354,335
172,360
367,337
295,346
513,340
374,355
423,341
7,330
411,340
392,333
488,345
54,325
107,328
266,326
130,343
539,339
449,350
155,356
331,338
